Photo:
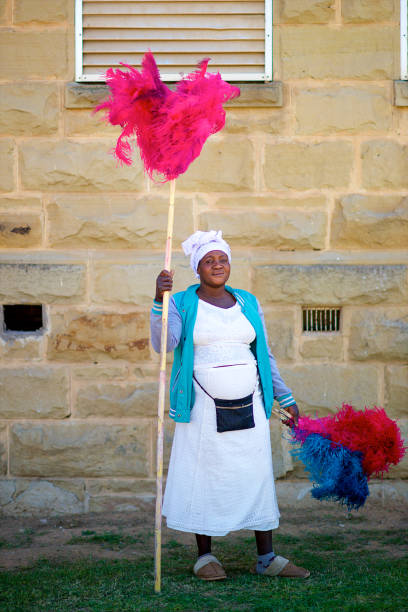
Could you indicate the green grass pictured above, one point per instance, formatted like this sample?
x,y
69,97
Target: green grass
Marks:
x,y
21,539
342,579
108,539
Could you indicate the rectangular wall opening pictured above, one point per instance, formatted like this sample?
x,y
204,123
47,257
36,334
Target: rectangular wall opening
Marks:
x,y
323,319
23,318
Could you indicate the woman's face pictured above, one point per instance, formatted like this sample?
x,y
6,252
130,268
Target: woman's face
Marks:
x,y
214,269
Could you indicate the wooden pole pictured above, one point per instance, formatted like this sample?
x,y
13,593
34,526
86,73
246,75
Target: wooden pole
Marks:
x,y
161,401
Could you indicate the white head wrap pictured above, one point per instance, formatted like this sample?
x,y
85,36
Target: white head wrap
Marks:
x,y
201,243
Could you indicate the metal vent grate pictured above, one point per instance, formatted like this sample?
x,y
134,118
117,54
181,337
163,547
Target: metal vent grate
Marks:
x,y
321,319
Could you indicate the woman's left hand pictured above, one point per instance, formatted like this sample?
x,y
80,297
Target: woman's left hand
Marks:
x,y
294,412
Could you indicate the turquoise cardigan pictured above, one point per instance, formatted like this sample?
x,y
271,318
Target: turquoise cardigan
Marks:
x,y
182,393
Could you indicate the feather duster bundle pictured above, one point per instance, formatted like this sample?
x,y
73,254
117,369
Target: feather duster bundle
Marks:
x,y
342,451
170,127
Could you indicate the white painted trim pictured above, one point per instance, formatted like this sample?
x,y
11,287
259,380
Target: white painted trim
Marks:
x,y
403,44
268,40
78,40
266,76
256,76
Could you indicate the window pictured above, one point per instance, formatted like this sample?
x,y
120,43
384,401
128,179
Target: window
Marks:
x,y
404,33
237,35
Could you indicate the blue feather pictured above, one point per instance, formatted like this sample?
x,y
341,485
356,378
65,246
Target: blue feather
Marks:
x,y
336,471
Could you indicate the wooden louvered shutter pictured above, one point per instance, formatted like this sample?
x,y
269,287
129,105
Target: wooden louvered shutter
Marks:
x,y
235,34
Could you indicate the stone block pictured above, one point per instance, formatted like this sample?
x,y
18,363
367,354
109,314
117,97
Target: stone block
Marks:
x,y
331,284
396,391
110,487
360,11
48,11
5,12
322,346
225,164
26,54
319,52
34,393
134,283
80,449
280,325
370,222
117,400
15,203
99,372
379,333
45,498
146,371
287,228
7,490
348,110
76,166
298,165
121,503
323,387
3,451
85,95
384,164
93,336
400,93
281,457
41,283
258,95
19,231
248,121
7,165
309,11
23,347
116,221
268,202
84,123
28,108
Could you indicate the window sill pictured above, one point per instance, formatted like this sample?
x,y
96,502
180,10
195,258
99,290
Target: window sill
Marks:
x,y
400,93
253,95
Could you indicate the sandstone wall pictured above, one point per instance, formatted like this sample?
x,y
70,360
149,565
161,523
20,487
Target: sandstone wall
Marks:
x,y
308,181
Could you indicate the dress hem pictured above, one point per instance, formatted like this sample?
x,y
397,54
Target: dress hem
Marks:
x,y
273,524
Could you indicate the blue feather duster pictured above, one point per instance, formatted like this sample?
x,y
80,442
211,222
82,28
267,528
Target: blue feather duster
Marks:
x,y
336,471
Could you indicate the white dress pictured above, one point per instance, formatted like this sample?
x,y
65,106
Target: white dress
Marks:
x,y
221,482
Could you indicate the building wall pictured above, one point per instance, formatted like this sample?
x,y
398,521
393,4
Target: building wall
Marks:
x,y
311,192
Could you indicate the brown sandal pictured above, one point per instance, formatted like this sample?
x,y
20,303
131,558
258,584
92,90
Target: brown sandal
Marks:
x,y
209,568
283,568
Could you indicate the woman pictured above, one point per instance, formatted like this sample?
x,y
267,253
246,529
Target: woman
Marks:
x,y
223,384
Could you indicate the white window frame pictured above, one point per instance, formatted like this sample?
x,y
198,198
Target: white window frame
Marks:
x,y
265,76
403,43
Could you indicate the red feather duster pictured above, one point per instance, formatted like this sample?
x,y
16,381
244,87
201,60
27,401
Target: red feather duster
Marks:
x,y
171,127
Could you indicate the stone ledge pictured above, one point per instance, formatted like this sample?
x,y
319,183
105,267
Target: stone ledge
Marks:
x,y
253,95
400,93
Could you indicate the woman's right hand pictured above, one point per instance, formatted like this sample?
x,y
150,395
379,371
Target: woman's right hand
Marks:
x,y
164,282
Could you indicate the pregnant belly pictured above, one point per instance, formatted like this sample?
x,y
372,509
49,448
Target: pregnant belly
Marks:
x,y
228,381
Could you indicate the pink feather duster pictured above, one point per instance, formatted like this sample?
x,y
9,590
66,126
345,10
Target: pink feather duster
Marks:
x,y
171,127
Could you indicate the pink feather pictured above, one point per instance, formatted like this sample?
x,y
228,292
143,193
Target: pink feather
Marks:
x,y
170,127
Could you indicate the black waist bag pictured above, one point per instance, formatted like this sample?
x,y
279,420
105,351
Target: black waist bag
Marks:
x,y
233,415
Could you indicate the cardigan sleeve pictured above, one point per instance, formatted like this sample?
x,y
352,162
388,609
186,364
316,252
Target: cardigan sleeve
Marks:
x,y
174,325
281,392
